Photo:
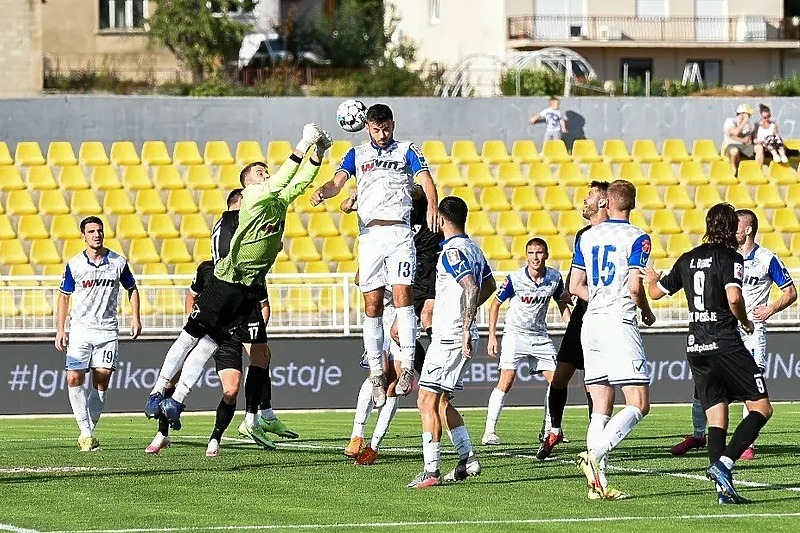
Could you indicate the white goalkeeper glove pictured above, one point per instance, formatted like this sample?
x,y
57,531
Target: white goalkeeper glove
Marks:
x,y
323,143
311,134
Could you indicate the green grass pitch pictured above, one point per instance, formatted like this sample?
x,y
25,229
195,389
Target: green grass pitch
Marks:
x,y
308,485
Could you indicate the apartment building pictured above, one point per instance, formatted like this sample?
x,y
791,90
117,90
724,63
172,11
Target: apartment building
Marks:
x,y
20,48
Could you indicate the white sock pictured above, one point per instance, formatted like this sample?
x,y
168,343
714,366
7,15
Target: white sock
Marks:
x,y
430,452
727,461
547,422
699,420
617,429
745,411
250,419
384,419
193,368
268,414
95,403
453,442
363,409
407,335
77,399
174,359
594,432
373,343
461,441
496,400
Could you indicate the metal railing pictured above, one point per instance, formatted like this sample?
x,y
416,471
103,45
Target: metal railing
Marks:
x,y
301,304
745,29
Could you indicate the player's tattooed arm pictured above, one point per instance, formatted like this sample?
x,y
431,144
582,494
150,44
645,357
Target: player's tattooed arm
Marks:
x,y
469,308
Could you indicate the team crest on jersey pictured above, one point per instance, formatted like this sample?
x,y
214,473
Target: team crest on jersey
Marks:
x,y
738,271
646,246
456,261
417,150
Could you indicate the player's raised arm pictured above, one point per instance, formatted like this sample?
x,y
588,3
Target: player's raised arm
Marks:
x,y
347,168
350,204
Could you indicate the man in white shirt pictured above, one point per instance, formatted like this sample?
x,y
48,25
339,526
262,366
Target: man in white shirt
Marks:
x,y
737,140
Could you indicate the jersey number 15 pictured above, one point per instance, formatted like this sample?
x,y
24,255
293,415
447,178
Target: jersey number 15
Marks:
x,y
603,270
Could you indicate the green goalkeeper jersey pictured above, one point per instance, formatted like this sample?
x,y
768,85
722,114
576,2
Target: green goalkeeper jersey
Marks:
x,y
257,241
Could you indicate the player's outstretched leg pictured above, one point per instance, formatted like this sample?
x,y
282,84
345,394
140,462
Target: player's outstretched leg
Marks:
x,y
698,438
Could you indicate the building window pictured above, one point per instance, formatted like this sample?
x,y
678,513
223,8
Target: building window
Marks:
x,y
710,71
651,8
122,14
436,11
637,67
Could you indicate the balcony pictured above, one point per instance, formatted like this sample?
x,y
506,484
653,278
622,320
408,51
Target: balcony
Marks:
x,y
577,31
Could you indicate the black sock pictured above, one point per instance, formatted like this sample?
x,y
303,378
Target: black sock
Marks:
x,y
265,396
163,425
715,442
556,403
590,404
252,387
419,357
225,414
745,434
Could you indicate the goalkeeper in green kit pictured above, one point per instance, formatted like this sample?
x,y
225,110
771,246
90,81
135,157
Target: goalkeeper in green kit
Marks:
x,y
226,302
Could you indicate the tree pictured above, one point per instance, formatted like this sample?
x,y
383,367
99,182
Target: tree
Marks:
x,y
202,35
353,35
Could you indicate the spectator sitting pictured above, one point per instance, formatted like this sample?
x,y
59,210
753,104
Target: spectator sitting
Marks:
x,y
767,136
738,138
556,123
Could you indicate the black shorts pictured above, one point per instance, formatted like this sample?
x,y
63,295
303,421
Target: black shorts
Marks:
x,y
222,307
254,331
727,377
229,355
571,349
424,288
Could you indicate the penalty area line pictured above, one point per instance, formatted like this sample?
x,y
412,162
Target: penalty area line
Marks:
x,y
15,529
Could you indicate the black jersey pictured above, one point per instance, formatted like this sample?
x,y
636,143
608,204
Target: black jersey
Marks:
x,y
222,234
202,277
705,273
426,242
580,305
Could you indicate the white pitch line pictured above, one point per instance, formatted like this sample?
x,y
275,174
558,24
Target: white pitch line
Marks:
x,y
375,525
54,470
15,529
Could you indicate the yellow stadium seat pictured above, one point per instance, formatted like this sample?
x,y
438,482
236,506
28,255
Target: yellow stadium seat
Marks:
x,y
161,226
303,203
792,195
332,298
674,151
780,174
523,151
663,222
645,151
348,225
507,265
494,247
148,201
40,178
316,267
211,202
10,179
5,155
303,249
706,196
435,152
570,175
12,253
569,222
463,152
541,175
155,153
25,269
167,177
691,173
768,197
468,195
113,244
199,177
247,152
175,251
104,178
677,197
720,173
632,172
217,153
302,300
170,301
775,243
541,223
657,250
449,175
31,227
325,174
84,203
143,251
285,267
660,173
556,199
347,267
785,221
184,269
35,303
339,150
510,175
648,197
21,203
60,153
52,203
321,225
764,225
509,224
123,153
479,175
615,151
494,199
278,152
495,152
228,177
130,226
600,171
8,308
93,153
135,178
117,202
585,151
180,201
555,151
693,221
28,154
336,249
194,226
294,226
750,173
70,248
160,273
71,178
638,220
201,251
705,151
739,197
559,248
63,227
43,252
478,224
524,199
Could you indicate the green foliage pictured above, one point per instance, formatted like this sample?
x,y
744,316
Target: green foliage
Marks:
x,y
353,36
786,86
532,82
203,41
658,88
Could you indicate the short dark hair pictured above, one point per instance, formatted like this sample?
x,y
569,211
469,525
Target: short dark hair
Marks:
x,y
454,209
379,113
247,168
234,196
601,186
90,220
624,194
721,225
752,219
537,240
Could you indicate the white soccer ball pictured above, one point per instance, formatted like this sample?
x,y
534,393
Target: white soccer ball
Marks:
x,y
352,115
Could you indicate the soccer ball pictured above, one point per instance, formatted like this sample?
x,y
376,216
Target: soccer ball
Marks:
x,y
352,115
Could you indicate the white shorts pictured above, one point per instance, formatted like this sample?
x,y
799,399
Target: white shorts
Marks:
x,y
444,366
756,344
92,348
386,256
613,352
537,350
554,135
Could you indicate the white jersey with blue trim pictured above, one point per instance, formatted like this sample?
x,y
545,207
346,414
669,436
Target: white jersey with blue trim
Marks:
x,y
607,252
95,289
383,179
762,268
527,312
460,257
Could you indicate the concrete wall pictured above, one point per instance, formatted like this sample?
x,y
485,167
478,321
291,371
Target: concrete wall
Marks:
x,y
20,47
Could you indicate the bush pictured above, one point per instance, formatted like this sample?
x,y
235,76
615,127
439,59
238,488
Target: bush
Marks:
x,y
532,82
786,86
